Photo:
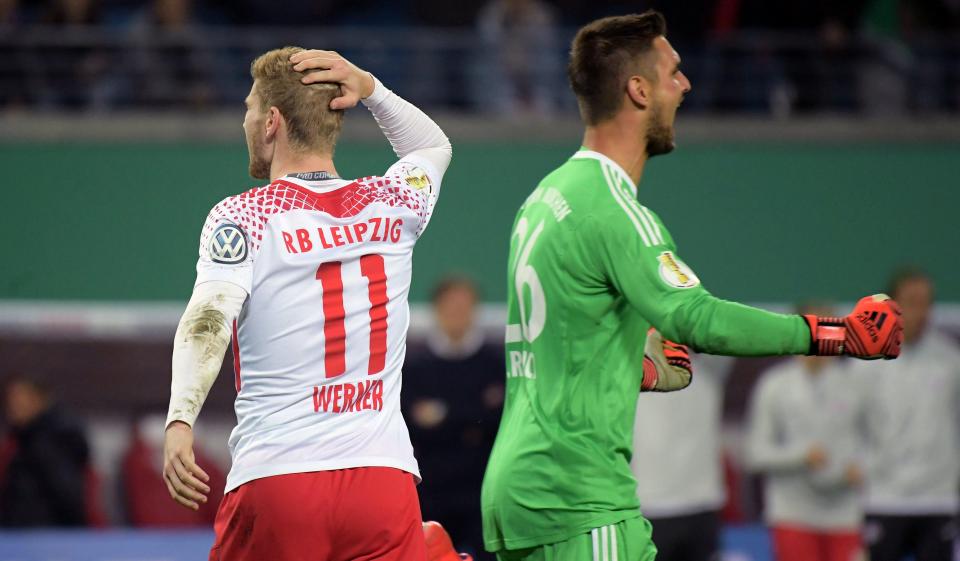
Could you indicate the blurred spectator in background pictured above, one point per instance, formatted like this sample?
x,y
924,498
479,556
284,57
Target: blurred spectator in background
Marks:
x,y
874,57
805,437
64,76
677,460
523,72
44,460
452,398
446,74
294,12
71,13
178,73
930,27
8,11
169,64
12,68
817,59
149,504
913,435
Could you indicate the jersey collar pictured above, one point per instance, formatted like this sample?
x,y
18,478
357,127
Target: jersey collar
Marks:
x,y
614,166
322,186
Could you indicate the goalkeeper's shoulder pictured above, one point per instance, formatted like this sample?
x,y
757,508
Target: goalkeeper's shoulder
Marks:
x,y
619,216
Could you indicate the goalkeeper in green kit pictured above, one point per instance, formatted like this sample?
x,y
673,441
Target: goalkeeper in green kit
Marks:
x,y
596,295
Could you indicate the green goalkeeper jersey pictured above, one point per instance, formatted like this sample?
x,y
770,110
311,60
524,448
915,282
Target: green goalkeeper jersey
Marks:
x,y
590,270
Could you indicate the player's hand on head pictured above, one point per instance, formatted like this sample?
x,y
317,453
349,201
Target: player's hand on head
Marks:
x,y
185,481
328,66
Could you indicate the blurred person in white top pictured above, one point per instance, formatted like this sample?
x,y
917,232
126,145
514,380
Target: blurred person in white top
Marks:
x,y
805,436
913,435
309,276
677,460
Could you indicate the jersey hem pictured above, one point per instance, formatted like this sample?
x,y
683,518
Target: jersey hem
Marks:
x,y
235,480
547,539
678,509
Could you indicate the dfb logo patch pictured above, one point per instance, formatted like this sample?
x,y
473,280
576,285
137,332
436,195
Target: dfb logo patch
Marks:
x,y
228,245
675,272
417,178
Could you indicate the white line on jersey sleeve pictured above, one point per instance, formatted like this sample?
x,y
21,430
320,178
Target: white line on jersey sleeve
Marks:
x,y
618,196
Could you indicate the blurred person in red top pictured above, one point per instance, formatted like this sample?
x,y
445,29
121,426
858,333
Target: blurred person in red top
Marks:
x,y
147,504
43,461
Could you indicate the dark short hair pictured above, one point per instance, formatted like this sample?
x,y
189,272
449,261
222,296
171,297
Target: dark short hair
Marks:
x,y
902,276
452,282
601,57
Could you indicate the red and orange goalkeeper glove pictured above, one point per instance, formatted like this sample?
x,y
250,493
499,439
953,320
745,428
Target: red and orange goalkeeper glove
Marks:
x,y
439,546
666,365
873,330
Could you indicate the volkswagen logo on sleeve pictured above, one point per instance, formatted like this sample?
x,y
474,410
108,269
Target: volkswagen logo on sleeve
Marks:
x,y
228,245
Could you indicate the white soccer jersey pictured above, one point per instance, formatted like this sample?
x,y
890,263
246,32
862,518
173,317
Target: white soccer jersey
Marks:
x,y
321,339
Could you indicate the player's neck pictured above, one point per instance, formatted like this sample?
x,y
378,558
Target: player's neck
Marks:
x,y
621,143
287,163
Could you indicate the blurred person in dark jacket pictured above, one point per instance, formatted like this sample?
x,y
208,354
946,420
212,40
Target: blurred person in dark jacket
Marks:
x,y
452,398
43,462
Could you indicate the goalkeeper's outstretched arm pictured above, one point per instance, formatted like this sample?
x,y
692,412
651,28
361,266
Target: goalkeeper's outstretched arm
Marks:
x,y
669,295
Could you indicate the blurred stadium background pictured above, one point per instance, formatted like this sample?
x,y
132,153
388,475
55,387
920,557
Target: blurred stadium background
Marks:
x,y
809,125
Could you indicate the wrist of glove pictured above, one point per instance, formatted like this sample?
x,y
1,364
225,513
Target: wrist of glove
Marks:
x,y
873,330
666,365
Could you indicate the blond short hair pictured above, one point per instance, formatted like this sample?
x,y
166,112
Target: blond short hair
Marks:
x,y
311,124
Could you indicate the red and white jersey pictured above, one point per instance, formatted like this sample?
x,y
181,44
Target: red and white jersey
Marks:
x,y
321,339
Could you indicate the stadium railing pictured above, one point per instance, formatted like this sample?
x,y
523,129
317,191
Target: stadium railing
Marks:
x,y
202,67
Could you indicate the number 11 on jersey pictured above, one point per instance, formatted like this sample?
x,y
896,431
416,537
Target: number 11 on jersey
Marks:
x,y
330,276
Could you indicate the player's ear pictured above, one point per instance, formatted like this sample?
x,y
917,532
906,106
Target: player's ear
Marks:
x,y
272,122
639,90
